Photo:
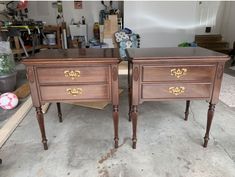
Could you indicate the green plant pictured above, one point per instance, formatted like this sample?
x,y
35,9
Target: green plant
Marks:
x,y
7,64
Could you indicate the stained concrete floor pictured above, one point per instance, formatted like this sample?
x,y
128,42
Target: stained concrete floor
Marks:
x,y
82,146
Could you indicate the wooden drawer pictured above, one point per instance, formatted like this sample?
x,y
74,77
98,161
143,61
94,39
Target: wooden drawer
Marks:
x,y
72,75
203,73
75,92
175,90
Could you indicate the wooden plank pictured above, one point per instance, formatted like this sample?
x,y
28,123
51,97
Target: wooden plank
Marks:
x,y
17,44
14,121
123,68
45,107
20,51
95,105
23,91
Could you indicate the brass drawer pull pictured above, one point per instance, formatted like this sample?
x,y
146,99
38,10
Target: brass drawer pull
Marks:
x,y
74,91
176,90
72,74
178,72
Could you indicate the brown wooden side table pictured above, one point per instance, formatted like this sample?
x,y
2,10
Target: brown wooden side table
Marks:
x,y
157,74
83,75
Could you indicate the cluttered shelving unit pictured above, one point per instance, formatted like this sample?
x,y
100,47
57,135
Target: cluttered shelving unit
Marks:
x,y
24,36
58,31
36,33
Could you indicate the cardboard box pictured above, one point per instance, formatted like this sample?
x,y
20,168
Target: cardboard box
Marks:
x,y
110,27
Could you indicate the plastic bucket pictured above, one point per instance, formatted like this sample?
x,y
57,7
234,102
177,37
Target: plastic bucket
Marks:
x,y
8,82
51,39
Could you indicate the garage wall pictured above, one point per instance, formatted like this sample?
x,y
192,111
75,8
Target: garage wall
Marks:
x,y
43,10
166,24
228,25
2,7
90,11
209,14
160,24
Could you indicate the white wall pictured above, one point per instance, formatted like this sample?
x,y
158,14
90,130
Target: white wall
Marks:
x,y
166,24
42,10
159,23
90,11
209,14
2,7
228,25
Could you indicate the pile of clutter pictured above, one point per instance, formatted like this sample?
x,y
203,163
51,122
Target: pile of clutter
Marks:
x,y
8,100
126,39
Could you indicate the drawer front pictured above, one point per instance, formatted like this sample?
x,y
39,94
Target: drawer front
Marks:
x,y
175,90
75,92
72,75
190,73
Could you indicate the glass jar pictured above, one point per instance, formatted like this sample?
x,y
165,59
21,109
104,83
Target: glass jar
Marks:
x,y
96,31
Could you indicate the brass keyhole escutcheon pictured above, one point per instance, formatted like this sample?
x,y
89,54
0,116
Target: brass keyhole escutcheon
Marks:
x,y
73,74
176,90
74,91
177,72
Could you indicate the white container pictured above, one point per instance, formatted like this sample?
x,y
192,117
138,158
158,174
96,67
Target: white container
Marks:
x,y
51,39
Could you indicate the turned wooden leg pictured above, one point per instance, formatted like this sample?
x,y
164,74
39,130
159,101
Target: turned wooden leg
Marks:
x,y
210,116
129,92
130,103
41,126
187,110
59,112
115,122
134,125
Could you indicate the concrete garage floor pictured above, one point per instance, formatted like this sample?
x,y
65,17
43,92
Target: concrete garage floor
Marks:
x,y
82,146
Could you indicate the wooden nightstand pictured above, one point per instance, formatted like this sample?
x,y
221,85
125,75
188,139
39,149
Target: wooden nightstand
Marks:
x,y
158,74
72,75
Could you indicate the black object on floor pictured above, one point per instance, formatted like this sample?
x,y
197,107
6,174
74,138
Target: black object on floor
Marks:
x,y
232,54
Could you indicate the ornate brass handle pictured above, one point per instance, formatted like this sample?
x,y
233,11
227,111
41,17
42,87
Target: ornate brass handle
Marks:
x,y
74,91
72,74
176,90
178,72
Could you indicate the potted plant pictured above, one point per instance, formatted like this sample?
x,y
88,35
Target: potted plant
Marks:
x,y
7,69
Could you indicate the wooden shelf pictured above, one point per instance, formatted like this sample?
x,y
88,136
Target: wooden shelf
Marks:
x,y
50,46
54,29
30,49
123,68
47,29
